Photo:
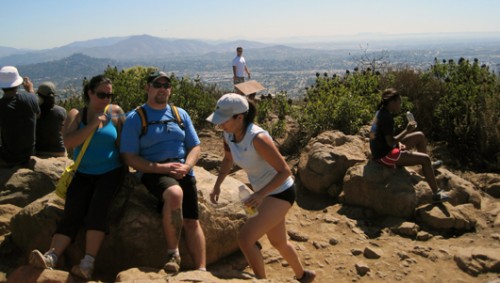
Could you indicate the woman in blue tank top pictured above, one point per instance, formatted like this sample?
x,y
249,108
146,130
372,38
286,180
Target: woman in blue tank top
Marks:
x,y
250,147
97,179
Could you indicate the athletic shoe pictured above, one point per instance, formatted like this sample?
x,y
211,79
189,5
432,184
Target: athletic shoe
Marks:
x,y
173,264
45,261
83,271
308,276
441,196
436,164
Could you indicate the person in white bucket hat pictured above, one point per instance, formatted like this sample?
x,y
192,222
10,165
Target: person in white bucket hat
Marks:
x,y
18,114
251,148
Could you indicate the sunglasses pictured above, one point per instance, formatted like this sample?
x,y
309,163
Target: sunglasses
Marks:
x,y
159,85
103,95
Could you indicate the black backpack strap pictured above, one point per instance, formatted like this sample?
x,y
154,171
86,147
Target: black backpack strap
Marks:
x,y
178,119
84,115
144,120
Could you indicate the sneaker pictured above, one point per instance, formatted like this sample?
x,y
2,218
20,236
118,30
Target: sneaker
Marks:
x,y
436,164
441,196
173,264
83,271
308,276
45,261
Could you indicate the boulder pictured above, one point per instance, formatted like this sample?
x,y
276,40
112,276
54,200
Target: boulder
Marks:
x,y
24,185
461,190
136,237
487,182
390,192
478,260
446,217
28,273
6,213
325,160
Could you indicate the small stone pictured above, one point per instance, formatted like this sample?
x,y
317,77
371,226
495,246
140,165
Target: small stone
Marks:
x,y
362,268
372,253
423,236
295,236
356,251
333,241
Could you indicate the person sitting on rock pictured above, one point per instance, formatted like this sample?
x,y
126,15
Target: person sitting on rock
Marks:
x,y
49,140
390,150
251,148
97,180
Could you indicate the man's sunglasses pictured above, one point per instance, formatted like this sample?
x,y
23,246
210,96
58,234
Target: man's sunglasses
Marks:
x,y
103,95
159,85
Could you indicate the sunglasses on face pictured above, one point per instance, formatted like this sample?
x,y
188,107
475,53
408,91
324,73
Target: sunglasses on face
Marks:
x,y
103,95
159,85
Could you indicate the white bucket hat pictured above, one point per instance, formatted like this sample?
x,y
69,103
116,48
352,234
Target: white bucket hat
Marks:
x,y
227,106
9,77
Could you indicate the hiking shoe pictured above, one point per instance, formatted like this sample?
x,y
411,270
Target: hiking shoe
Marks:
x,y
45,261
436,164
173,264
83,271
308,276
441,196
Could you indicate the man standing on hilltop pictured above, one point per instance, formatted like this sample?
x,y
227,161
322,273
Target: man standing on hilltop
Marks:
x,y
18,113
159,140
240,67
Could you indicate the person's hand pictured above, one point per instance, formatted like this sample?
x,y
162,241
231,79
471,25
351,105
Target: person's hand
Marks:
x,y
402,146
411,126
28,85
178,170
101,118
254,200
214,195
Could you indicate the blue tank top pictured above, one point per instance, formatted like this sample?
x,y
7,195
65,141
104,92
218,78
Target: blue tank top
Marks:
x,y
102,154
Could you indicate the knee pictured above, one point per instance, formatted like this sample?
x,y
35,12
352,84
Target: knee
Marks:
x,y
421,136
191,225
279,245
173,195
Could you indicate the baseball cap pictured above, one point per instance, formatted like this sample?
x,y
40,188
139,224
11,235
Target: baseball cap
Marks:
x,y
227,106
153,76
46,89
9,77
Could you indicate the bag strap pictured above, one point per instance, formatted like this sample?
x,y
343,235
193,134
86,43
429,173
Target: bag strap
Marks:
x,y
177,116
86,144
144,120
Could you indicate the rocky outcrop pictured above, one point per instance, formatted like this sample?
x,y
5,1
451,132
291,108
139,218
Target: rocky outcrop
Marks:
x,y
443,217
325,160
6,213
136,237
487,182
23,186
478,260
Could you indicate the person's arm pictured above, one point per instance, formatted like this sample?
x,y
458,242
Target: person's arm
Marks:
x,y
234,72
225,168
118,118
182,169
28,85
393,141
248,72
269,152
72,135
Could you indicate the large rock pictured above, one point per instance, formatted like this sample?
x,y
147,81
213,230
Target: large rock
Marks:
x,y
487,182
136,237
21,186
446,217
391,192
6,213
461,190
325,160
478,260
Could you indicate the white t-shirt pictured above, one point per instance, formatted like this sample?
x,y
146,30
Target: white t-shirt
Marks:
x,y
259,172
240,63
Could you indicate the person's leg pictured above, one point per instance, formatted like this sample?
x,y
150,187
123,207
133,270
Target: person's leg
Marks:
x,y
415,140
272,211
416,158
195,239
172,215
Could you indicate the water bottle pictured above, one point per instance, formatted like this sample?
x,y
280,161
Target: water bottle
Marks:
x,y
244,194
410,118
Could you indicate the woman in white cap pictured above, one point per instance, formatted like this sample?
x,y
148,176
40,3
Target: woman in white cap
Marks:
x,y
251,148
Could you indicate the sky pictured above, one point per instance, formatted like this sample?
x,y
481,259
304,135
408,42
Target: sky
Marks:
x,y
40,24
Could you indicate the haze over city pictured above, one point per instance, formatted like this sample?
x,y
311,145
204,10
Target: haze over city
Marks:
x,y
34,24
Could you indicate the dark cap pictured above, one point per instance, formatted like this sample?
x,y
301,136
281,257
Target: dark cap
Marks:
x,y
47,89
153,76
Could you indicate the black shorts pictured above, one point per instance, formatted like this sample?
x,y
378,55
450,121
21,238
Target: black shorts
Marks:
x,y
286,195
158,183
88,200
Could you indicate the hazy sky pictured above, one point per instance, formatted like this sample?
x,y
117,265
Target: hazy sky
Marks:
x,y
40,24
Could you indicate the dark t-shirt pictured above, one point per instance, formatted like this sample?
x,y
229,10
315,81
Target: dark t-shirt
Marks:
x,y
17,125
48,130
383,125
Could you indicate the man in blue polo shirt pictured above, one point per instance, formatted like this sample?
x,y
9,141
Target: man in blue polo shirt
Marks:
x,y
165,151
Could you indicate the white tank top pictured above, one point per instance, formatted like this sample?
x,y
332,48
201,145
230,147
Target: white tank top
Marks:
x,y
259,172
